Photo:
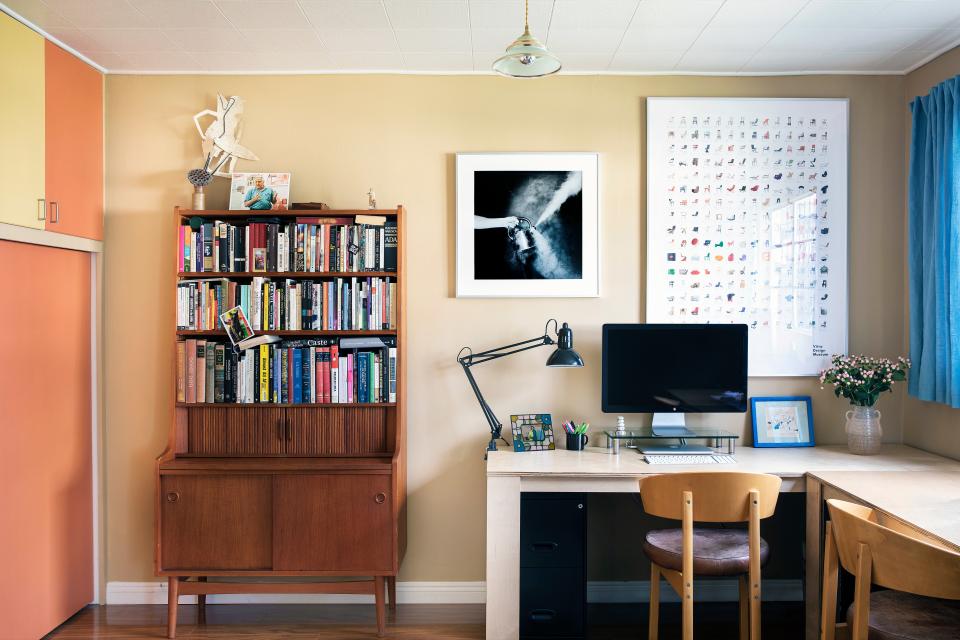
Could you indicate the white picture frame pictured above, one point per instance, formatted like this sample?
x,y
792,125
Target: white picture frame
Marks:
x,y
780,195
555,253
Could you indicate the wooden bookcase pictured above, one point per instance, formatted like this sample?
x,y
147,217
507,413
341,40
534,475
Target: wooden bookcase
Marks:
x,y
266,490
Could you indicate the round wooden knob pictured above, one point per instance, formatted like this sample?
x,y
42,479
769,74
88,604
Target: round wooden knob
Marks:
x,y
173,496
380,498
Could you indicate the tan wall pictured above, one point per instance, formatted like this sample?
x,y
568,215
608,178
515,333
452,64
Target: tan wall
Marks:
x,y
341,135
928,425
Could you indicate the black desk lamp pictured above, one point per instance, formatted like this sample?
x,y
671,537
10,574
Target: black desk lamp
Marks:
x,y
563,356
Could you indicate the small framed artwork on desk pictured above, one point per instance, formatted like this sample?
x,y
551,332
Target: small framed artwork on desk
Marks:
x,y
785,421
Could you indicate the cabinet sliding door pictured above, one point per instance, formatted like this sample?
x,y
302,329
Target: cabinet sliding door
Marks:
x,y
46,539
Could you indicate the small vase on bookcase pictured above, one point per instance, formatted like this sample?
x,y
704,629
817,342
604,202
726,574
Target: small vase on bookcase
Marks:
x,y
199,178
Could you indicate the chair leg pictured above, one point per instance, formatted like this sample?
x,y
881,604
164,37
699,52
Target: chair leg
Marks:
x,y
744,608
754,608
202,597
687,608
378,596
392,592
654,626
173,595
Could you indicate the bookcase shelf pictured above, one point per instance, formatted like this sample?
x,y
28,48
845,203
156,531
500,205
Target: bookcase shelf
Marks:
x,y
223,214
288,333
287,274
271,405
318,489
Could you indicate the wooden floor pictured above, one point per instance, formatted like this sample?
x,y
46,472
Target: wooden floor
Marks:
x,y
717,621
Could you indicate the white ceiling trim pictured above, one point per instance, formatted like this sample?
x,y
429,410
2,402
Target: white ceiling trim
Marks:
x,y
60,43
418,72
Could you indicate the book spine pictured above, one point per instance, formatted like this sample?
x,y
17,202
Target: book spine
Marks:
x,y
318,375
224,247
390,245
210,372
219,375
305,374
284,379
351,381
312,363
190,355
207,247
181,371
181,248
297,374
362,374
334,373
274,374
392,396
264,373
201,371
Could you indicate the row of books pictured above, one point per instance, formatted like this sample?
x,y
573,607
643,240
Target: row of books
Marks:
x,y
335,304
322,370
363,243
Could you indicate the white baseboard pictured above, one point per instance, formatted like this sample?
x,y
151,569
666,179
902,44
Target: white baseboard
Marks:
x,y
458,593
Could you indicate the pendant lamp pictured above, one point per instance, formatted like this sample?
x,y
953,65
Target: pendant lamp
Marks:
x,y
526,57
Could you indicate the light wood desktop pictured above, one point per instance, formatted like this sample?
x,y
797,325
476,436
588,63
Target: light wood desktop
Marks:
x,y
920,489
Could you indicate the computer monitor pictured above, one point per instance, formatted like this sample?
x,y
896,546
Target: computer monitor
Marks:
x,y
673,369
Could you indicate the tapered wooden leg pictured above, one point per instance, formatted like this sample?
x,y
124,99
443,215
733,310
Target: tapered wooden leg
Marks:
x,y
654,626
744,608
173,594
378,596
392,592
831,568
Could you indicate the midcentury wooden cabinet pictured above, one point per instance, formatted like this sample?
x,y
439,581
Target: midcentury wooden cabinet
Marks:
x,y
284,489
51,125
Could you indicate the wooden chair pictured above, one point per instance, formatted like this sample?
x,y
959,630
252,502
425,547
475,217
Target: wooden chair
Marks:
x,y
924,579
679,554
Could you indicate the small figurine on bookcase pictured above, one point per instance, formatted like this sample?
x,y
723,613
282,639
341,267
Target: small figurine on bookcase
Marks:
x,y
371,199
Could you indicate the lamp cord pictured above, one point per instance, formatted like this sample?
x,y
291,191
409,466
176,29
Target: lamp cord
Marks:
x,y
526,15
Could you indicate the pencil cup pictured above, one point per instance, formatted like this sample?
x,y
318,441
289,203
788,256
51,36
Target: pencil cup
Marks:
x,y
576,442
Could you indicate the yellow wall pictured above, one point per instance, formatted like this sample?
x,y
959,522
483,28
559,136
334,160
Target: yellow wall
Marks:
x,y
341,135
928,425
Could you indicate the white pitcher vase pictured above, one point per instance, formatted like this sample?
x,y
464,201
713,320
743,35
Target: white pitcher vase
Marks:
x,y
864,432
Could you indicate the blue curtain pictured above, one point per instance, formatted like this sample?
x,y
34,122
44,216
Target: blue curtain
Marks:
x,y
934,256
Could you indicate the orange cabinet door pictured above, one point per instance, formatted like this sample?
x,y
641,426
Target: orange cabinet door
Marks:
x,y
46,504
74,145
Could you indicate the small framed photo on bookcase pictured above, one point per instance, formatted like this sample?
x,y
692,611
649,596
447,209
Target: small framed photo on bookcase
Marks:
x,y
785,421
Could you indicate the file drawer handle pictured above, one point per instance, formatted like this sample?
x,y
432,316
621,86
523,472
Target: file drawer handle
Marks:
x,y
55,206
542,615
544,547
173,496
41,209
380,498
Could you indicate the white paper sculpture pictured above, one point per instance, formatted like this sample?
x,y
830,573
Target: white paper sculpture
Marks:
x,y
221,140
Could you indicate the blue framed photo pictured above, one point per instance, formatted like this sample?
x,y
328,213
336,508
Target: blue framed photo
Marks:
x,y
782,421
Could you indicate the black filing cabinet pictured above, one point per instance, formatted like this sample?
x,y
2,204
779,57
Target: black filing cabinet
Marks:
x,y
553,563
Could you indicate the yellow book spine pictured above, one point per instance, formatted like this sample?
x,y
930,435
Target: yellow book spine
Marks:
x,y
264,373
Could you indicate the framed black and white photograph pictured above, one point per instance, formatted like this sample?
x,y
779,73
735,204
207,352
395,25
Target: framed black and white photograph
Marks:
x,y
527,225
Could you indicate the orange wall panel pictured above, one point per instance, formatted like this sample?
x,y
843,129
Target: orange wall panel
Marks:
x,y
46,505
74,144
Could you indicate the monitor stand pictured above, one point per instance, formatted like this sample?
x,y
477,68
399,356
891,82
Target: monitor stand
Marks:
x,y
673,425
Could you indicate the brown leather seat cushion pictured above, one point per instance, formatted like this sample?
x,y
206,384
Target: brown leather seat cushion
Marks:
x,y
716,552
895,615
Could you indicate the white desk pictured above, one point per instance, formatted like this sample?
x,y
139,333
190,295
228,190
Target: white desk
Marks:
x,y
895,481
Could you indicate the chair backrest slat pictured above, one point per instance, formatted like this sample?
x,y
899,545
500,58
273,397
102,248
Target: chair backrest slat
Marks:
x,y
898,561
718,496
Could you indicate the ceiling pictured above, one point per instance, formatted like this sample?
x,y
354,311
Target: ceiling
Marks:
x,y
465,36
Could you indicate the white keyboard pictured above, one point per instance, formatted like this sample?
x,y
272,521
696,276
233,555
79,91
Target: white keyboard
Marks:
x,y
689,459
